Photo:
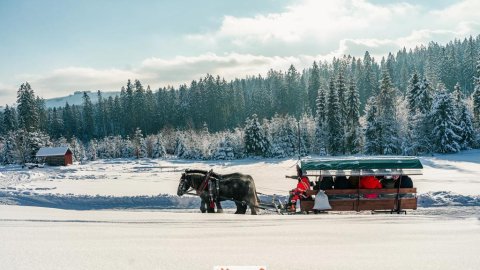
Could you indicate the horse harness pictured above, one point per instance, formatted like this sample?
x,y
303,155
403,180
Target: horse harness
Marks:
x,y
213,187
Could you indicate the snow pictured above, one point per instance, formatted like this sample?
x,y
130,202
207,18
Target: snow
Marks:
x,y
44,238
124,214
456,173
52,151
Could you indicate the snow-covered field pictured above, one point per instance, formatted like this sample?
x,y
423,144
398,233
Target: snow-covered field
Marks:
x,y
130,218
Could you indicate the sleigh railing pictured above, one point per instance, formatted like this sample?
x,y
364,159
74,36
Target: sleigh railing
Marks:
x,y
394,199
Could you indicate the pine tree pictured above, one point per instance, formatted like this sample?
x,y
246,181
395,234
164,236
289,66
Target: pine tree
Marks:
x,y
386,105
476,98
320,124
8,151
413,92
335,139
353,136
283,136
139,144
313,87
424,98
255,140
158,148
293,92
342,100
27,108
9,119
466,129
372,129
88,119
445,130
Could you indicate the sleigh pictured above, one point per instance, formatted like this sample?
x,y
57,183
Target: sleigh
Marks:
x,y
402,197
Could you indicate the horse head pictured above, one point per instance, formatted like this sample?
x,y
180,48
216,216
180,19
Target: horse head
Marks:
x,y
184,185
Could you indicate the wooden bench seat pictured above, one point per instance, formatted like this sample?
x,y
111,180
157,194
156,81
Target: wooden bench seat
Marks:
x,y
356,199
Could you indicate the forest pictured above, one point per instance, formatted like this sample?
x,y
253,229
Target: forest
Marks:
x,y
421,101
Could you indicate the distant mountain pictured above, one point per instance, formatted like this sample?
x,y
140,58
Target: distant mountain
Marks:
x,y
77,98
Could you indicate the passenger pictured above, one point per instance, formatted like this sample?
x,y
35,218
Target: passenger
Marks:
x,y
388,182
299,192
405,182
325,182
353,180
341,181
370,182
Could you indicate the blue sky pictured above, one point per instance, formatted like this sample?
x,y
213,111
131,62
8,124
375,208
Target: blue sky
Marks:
x,y
64,46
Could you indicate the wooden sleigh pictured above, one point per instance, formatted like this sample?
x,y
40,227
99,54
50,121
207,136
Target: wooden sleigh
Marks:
x,y
393,200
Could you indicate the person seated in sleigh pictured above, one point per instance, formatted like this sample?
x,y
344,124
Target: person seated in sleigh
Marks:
x,y
299,193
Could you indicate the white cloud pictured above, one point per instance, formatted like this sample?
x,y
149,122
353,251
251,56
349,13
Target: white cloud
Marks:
x,y
156,72
342,27
305,31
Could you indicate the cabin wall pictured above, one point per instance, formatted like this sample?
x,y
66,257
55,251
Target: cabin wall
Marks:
x,y
56,161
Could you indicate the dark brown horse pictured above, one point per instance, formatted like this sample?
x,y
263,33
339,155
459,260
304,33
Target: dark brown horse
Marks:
x,y
236,187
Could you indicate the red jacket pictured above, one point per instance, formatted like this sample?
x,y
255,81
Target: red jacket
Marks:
x,y
369,182
302,186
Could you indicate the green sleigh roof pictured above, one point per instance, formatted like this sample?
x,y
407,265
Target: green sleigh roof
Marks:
x,y
361,163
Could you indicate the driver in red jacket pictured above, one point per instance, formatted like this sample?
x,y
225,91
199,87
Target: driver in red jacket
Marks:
x,y
299,192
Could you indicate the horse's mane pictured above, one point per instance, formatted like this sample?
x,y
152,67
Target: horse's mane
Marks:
x,y
203,172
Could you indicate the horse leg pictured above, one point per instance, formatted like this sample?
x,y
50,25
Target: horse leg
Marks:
x,y
219,207
239,208
203,207
243,208
210,209
253,204
253,208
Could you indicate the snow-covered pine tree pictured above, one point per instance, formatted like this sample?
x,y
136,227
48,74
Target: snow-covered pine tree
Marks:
x,y
139,144
88,117
476,98
372,129
225,148
413,92
128,149
76,148
445,130
307,134
335,137
9,146
313,87
91,152
424,98
465,123
255,139
464,119
353,128
158,150
387,114
9,119
27,108
457,96
342,99
180,149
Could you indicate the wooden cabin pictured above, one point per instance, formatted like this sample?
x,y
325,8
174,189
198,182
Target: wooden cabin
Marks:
x,y
55,156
